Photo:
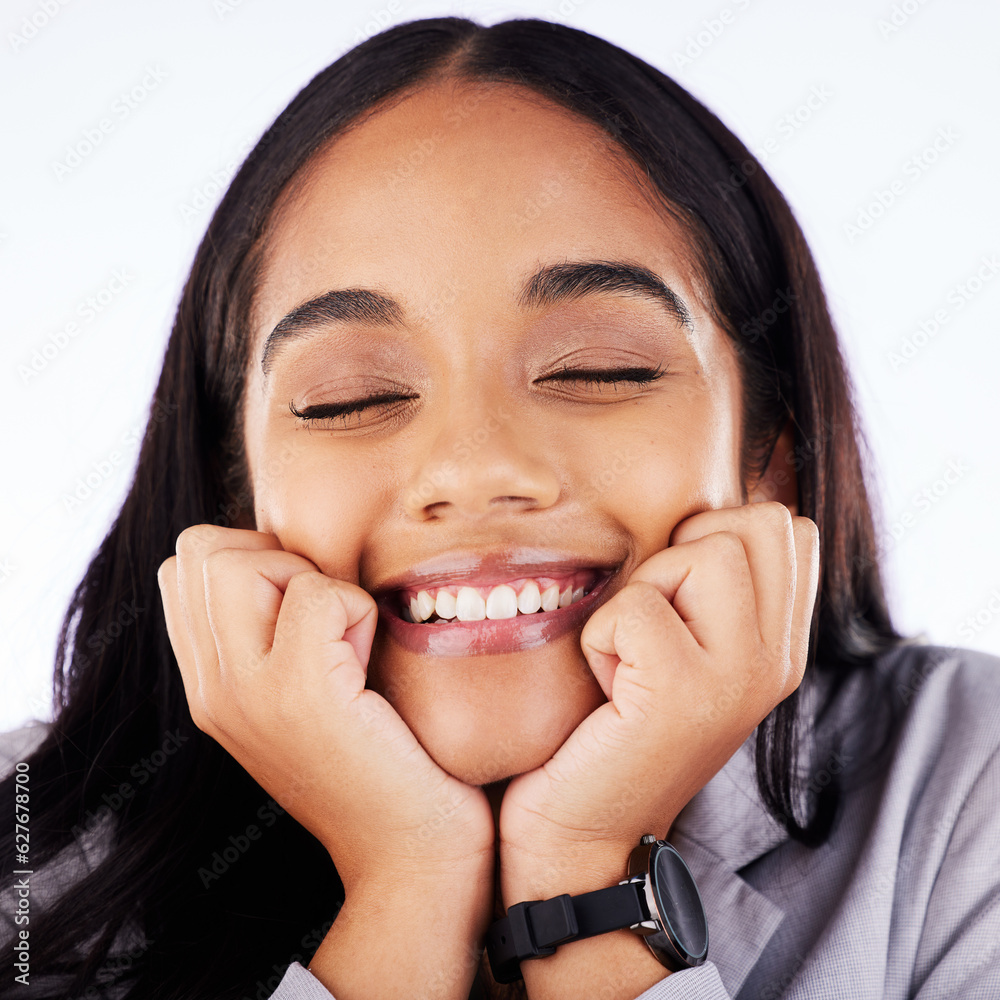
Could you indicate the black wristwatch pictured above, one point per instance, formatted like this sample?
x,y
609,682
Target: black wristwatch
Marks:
x,y
658,900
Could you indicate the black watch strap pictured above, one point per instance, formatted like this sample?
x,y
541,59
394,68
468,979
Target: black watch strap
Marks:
x,y
534,928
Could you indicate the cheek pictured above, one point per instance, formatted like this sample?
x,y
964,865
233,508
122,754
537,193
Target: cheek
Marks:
x,y
654,480
317,509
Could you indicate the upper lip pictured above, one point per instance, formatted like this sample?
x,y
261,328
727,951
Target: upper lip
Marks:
x,y
485,568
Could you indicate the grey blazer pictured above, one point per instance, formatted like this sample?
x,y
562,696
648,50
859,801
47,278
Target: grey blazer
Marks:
x,y
902,901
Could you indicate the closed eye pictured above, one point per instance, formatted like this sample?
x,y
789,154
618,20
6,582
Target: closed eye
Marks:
x,y
635,375
605,376
342,411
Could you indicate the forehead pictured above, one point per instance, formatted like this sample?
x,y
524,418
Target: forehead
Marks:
x,y
458,189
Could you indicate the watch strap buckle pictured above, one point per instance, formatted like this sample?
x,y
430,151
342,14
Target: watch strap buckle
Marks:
x,y
548,923
531,929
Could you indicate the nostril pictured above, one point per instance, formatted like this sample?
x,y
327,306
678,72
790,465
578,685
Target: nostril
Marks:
x,y
436,508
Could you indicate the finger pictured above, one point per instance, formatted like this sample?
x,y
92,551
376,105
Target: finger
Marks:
x,y
765,528
707,581
633,629
333,617
166,577
807,558
243,594
193,546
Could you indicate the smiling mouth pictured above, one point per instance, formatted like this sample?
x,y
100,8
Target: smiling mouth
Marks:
x,y
516,598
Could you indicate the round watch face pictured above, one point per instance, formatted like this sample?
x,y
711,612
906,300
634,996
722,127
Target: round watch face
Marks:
x,y
681,911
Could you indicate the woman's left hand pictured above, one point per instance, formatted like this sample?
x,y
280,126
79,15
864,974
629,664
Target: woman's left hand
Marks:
x,y
704,640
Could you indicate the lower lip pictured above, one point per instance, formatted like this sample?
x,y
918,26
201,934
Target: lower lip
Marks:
x,y
482,638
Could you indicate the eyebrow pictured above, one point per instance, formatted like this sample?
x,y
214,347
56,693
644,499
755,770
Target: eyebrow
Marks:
x,y
550,284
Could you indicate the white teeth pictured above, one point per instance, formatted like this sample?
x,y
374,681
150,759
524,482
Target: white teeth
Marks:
x,y
550,598
502,602
469,606
425,605
445,605
530,599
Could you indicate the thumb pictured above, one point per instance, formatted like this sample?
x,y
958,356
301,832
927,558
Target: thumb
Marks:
x,y
319,612
627,639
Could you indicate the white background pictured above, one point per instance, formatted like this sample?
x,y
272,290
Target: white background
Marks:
x,y
216,73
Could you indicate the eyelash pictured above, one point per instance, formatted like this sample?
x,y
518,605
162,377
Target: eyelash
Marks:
x,y
605,376
598,376
341,411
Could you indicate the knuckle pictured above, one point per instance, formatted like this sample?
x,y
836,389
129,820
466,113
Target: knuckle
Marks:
x,y
166,570
793,678
772,514
641,590
726,546
807,531
307,591
221,562
692,527
638,602
196,538
304,586
201,717
797,672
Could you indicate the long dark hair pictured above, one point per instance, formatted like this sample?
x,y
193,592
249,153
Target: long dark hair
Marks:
x,y
223,913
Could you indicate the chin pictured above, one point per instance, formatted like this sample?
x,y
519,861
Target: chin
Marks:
x,y
490,718
484,761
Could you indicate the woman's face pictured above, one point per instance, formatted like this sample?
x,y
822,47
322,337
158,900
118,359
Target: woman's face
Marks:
x,y
543,411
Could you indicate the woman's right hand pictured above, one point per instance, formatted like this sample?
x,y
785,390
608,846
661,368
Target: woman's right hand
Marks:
x,y
273,655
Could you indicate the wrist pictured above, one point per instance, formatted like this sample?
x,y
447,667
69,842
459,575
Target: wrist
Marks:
x,y
388,937
580,922
570,868
613,966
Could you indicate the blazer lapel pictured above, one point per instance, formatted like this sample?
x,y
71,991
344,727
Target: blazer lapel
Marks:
x,y
722,829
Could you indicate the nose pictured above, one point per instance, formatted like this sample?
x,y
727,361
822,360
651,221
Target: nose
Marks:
x,y
481,463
